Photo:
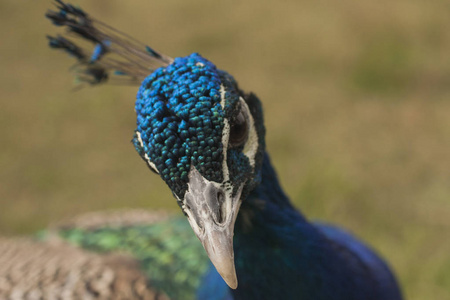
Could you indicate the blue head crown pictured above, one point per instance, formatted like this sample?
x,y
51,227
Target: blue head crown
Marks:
x,y
180,119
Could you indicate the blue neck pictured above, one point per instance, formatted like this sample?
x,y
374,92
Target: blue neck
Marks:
x,y
280,255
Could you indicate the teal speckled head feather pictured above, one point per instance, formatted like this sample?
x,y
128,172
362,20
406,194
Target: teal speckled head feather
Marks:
x,y
182,112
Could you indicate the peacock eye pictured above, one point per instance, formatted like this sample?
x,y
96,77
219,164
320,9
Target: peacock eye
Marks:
x,y
239,129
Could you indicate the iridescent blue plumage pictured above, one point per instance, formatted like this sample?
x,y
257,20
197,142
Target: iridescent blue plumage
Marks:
x,y
206,138
180,121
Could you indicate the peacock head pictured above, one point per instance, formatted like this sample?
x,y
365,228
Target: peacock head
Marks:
x,y
195,127
205,138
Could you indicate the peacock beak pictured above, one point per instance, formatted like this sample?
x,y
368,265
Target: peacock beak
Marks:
x,y
212,210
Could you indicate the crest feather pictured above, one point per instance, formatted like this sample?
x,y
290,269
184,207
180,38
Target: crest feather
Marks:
x,y
108,55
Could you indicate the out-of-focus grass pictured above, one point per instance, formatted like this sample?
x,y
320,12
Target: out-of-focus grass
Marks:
x,y
357,102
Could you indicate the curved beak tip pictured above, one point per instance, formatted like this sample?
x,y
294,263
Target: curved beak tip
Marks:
x,y
224,263
232,282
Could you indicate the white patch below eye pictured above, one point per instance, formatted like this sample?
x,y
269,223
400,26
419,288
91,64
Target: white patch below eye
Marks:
x,y
199,64
225,136
149,162
251,145
222,97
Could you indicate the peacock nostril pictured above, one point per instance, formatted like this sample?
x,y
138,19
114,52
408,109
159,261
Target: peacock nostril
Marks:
x,y
221,215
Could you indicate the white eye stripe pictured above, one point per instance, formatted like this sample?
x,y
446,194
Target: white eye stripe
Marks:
x,y
151,164
251,145
225,137
222,97
147,159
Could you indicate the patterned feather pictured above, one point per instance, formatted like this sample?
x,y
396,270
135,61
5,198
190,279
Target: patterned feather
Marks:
x,y
167,251
40,270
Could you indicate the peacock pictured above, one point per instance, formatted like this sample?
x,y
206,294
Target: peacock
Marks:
x,y
205,137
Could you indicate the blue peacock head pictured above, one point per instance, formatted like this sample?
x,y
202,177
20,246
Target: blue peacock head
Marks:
x,y
195,127
193,117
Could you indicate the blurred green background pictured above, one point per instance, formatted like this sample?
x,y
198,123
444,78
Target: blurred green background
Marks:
x,y
357,103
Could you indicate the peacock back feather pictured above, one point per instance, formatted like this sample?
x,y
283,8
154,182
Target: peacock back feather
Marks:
x,y
168,252
163,246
